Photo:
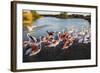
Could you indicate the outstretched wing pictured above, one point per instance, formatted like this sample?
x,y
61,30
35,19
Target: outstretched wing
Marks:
x,y
31,38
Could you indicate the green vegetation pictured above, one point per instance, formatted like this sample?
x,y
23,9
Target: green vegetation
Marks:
x,y
63,15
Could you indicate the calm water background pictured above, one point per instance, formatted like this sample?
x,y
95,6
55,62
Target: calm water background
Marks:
x,y
56,24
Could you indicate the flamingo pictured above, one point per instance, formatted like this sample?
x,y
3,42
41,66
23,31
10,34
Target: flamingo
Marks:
x,y
34,45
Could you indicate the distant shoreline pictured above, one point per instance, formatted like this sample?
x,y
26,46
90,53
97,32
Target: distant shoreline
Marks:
x,y
88,17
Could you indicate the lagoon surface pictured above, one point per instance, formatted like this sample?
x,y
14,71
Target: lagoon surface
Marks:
x,y
75,52
56,24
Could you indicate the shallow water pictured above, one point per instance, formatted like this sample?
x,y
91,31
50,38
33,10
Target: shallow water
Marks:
x,y
52,54
57,24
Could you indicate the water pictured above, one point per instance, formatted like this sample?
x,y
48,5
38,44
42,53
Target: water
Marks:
x,y
57,24
75,52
